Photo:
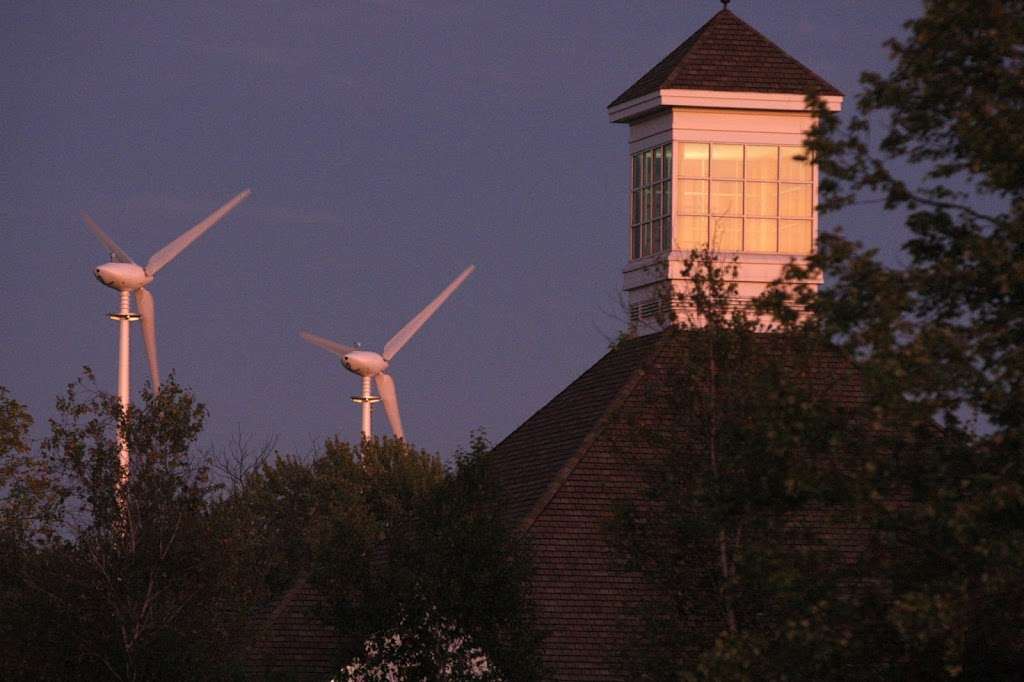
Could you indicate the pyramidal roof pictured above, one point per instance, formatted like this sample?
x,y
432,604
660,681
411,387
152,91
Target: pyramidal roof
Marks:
x,y
728,54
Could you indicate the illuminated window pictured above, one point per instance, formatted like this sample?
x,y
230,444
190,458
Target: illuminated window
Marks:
x,y
650,222
737,197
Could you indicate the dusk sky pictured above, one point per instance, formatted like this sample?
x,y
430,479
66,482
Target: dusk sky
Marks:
x,y
388,145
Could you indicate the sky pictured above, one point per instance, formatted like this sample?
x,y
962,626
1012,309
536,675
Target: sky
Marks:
x,y
388,145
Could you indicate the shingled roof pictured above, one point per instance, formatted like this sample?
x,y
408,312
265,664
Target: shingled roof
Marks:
x,y
531,459
290,641
728,54
570,465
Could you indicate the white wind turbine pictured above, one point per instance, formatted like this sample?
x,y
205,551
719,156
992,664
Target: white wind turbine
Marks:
x,y
127,276
370,365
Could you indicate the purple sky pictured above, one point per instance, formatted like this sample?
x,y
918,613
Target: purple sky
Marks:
x,y
388,145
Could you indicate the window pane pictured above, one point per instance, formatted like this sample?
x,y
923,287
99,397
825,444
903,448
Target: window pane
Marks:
x,y
666,234
762,163
727,234
635,211
667,197
648,201
667,172
759,235
761,199
795,200
726,198
791,169
727,161
795,236
635,242
695,196
693,232
695,160
636,171
646,247
657,201
657,165
648,163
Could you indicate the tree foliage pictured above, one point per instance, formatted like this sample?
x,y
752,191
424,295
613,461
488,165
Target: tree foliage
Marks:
x,y
127,579
442,590
935,469
21,478
941,340
744,468
163,573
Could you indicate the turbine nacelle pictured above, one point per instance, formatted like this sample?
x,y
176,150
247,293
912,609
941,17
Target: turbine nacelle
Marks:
x,y
370,365
122,276
365,363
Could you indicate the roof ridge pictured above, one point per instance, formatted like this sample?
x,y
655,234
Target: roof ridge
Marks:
x,y
696,38
288,597
771,42
559,479
265,626
739,59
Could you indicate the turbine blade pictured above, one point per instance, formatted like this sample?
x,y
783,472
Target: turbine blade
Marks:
x,y
386,386
147,311
328,345
392,347
119,255
165,255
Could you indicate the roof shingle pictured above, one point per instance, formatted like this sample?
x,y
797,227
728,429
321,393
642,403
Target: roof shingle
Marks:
x,y
570,465
290,641
728,54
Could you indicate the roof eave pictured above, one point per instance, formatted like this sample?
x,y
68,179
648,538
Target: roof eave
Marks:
x,y
714,99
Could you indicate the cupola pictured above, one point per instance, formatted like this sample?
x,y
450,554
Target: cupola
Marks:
x,y
713,131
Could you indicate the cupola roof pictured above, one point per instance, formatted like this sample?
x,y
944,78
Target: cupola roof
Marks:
x,y
728,54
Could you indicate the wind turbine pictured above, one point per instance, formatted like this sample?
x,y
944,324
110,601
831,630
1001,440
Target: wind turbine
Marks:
x,y
370,365
126,276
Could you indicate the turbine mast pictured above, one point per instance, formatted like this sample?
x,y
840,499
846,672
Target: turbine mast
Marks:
x,y
123,317
367,399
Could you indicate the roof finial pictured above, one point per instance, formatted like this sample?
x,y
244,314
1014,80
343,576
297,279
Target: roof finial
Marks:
x,y
725,4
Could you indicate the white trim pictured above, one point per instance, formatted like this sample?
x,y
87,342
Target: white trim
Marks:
x,y
714,99
752,268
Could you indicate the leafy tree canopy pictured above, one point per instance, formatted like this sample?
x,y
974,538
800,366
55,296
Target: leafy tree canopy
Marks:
x,y
116,577
941,340
931,463
161,572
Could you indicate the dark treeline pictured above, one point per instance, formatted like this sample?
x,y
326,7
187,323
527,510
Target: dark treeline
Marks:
x,y
867,527
168,575
918,469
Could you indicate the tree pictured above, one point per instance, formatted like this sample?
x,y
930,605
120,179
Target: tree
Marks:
x,y
20,477
747,488
444,598
162,574
941,340
121,581
937,346
412,560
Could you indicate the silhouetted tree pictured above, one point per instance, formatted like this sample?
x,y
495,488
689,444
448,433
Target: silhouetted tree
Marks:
x,y
935,461
941,340
412,559
745,457
122,581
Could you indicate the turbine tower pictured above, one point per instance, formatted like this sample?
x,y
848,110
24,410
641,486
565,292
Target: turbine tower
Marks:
x,y
370,365
126,276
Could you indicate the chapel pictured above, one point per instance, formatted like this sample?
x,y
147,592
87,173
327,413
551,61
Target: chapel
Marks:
x,y
716,161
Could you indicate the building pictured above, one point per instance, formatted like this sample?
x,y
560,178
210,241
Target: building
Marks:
x,y
713,131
